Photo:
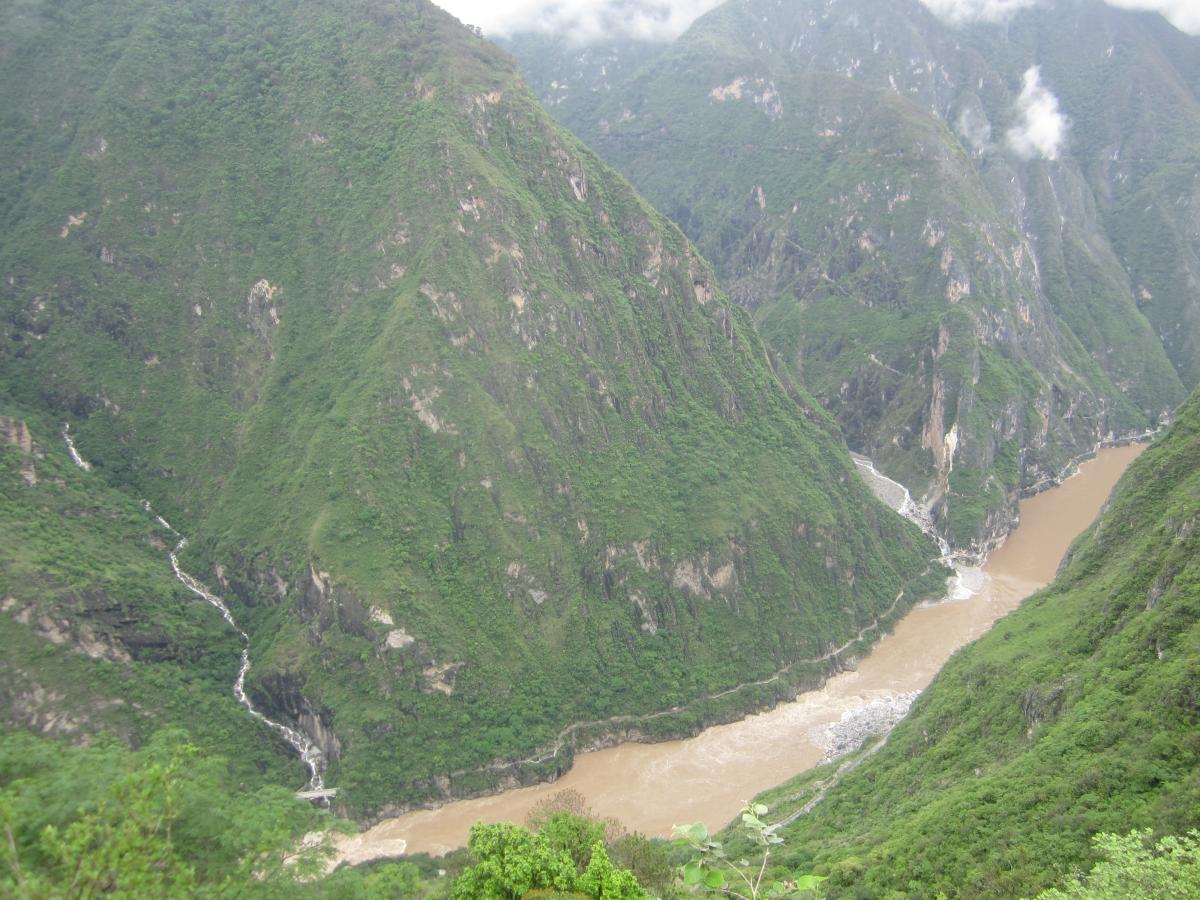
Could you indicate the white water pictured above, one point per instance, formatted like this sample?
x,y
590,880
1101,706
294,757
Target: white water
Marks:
x,y
75,457
968,580
310,754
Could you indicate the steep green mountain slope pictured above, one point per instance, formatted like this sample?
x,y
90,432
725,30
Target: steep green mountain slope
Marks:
x,y
971,317
1078,713
1131,85
98,636
462,430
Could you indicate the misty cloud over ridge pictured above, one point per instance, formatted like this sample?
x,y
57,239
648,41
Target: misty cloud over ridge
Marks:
x,y
589,21
582,21
962,12
1041,128
1183,14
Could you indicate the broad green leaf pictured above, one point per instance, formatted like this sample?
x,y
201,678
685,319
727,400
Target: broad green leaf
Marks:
x,y
715,879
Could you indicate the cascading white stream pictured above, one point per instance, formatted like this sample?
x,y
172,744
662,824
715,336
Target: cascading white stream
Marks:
x,y
75,457
968,580
309,752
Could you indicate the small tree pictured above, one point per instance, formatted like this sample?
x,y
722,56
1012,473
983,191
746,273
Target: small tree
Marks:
x,y
711,871
571,801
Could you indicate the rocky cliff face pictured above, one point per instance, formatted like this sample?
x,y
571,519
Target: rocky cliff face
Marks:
x,y
464,431
935,226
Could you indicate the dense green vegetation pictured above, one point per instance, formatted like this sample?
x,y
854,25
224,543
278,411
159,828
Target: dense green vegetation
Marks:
x,y
511,862
98,635
482,458
1134,868
463,430
972,319
167,821
1077,714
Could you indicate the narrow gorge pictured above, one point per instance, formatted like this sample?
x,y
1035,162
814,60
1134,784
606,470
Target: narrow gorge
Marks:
x,y
406,420
650,787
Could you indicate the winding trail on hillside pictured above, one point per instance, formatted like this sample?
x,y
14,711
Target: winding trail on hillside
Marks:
x,y
309,752
635,718
651,786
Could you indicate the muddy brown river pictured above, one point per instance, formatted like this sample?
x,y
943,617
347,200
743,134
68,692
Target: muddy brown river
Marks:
x,y
650,787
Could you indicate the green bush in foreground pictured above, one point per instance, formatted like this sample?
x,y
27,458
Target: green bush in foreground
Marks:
x,y
1135,869
165,821
512,862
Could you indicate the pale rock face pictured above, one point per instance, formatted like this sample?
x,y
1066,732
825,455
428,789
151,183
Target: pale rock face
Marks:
x,y
763,93
703,577
399,638
73,221
648,625
421,400
15,433
77,636
440,678
98,150
645,555
722,578
41,709
687,577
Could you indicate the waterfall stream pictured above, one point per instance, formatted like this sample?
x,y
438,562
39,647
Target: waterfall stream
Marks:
x,y
75,457
968,580
309,752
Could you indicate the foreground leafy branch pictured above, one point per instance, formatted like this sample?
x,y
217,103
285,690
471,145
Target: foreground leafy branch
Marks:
x,y
711,870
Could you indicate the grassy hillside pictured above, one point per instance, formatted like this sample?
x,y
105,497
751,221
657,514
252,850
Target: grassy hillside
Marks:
x,y
461,428
1076,714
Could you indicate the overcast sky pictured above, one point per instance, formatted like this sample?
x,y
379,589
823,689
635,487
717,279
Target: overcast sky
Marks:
x,y
587,20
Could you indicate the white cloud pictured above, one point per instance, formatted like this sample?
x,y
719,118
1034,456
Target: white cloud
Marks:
x,y
961,12
1042,127
586,21
583,21
1183,14
975,128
